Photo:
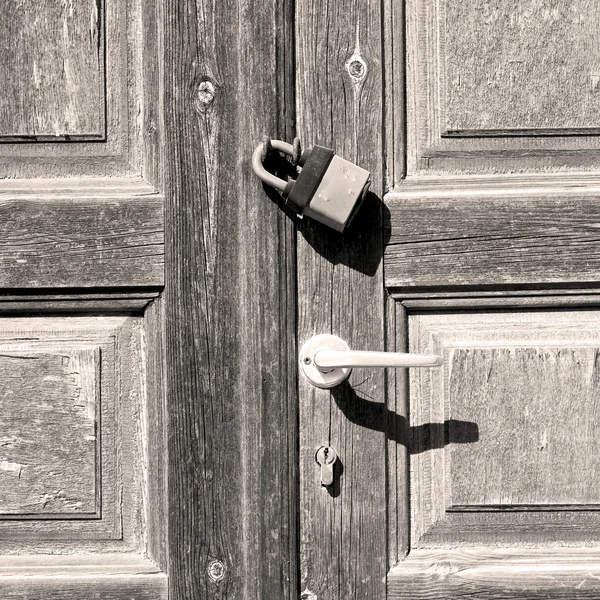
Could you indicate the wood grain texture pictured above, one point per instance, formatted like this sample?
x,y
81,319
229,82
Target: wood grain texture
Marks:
x,y
398,450
509,237
548,300
229,303
120,153
155,457
109,587
42,395
130,50
343,531
112,576
473,443
537,415
488,92
122,303
80,236
540,68
152,88
497,574
52,70
121,464
60,565
394,84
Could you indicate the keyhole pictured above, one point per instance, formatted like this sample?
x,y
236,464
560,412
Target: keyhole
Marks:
x,y
325,454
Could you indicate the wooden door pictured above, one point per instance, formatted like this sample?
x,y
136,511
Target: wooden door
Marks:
x,y
152,296
479,122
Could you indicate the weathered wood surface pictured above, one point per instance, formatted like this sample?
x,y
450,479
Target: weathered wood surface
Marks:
x,y
124,472
111,576
502,428
394,82
83,226
154,457
548,300
537,414
229,304
497,575
129,94
59,565
152,67
121,302
42,396
454,238
398,447
51,70
477,74
110,587
340,290
536,71
500,452
83,235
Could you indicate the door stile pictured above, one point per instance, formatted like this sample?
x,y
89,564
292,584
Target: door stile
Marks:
x,y
343,529
230,303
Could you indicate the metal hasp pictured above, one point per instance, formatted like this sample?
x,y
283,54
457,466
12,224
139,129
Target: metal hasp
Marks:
x,y
326,360
327,188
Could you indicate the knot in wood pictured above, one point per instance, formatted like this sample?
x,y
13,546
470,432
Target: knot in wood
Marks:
x,y
357,68
206,93
308,595
216,570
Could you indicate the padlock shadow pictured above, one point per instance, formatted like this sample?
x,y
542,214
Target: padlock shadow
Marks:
x,y
416,439
361,246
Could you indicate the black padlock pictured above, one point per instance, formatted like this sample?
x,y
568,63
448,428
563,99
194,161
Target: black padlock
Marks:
x,y
327,188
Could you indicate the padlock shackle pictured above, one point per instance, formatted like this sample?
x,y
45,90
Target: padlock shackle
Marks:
x,y
262,173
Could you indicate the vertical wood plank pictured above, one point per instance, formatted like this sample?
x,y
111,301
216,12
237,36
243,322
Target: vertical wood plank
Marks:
x,y
156,411
399,433
153,93
394,45
340,291
230,304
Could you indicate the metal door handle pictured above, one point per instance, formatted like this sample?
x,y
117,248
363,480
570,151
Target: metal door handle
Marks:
x,y
326,360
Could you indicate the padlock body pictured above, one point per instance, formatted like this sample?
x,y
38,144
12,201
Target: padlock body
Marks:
x,y
339,194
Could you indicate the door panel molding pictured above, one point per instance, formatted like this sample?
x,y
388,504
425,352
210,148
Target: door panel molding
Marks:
x,y
124,40
453,551
471,111
53,72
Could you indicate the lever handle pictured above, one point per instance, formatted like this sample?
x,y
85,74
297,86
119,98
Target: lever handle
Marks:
x,y
327,361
